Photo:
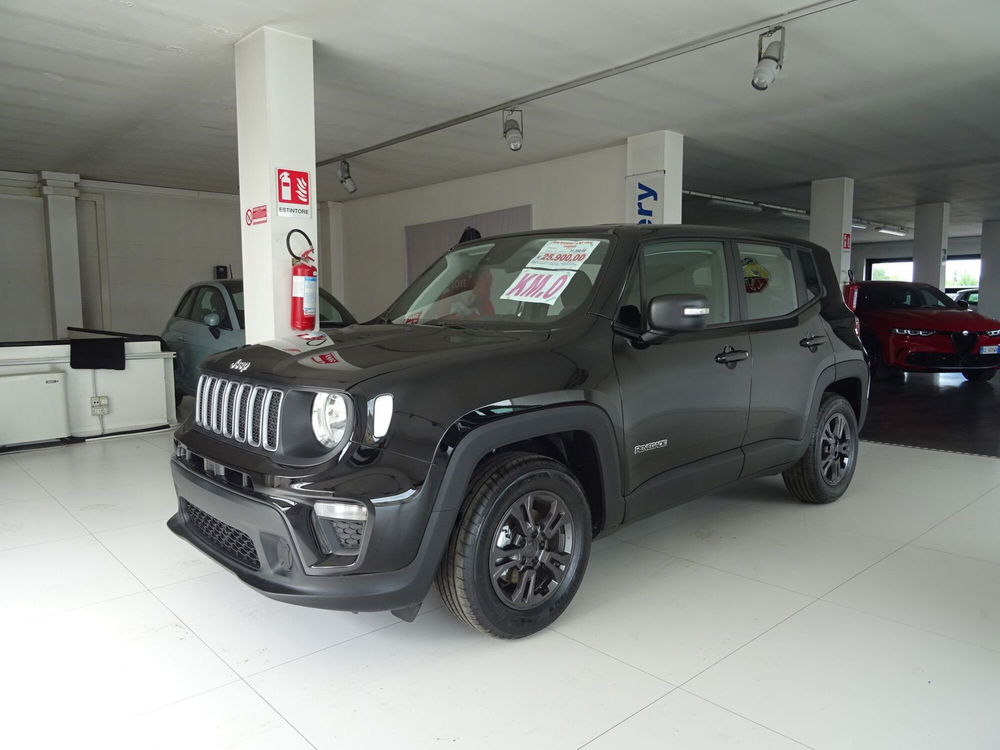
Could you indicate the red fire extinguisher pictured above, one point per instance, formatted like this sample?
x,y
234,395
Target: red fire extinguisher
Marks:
x,y
851,291
304,286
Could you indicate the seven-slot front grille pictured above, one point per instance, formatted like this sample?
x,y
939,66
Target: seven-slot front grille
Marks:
x,y
230,540
245,413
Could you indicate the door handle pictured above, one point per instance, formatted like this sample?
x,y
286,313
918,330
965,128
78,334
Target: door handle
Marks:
x,y
812,343
181,338
731,357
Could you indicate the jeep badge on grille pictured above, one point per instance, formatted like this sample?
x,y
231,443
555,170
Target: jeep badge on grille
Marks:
x,y
241,364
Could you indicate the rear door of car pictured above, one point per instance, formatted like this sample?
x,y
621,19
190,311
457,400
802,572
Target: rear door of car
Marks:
x,y
791,345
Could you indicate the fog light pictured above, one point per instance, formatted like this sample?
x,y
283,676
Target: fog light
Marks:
x,y
341,511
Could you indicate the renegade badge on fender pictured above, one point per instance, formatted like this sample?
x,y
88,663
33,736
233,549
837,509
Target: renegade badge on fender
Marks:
x,y
526,394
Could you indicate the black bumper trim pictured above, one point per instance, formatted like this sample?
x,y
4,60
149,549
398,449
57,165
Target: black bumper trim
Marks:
x,y
282,576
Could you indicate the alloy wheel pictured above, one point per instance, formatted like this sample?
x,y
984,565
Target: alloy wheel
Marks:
x,y
836,449
532,550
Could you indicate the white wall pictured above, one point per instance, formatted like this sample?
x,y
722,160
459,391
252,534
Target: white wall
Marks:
x,y
25,309
159,242
861,252
576,190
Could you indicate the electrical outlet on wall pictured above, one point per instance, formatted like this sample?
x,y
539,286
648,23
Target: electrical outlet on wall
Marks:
x,y
99,406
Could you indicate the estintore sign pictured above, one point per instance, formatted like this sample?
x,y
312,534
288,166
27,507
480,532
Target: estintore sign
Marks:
x,y
847,241
538,286
293,193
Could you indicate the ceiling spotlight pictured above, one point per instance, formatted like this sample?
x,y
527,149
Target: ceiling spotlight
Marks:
x,y
344,173
890,230
769,59
513,128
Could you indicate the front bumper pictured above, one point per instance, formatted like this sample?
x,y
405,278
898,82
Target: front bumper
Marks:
x,y
237,529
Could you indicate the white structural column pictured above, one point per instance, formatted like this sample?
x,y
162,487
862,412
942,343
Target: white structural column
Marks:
x,y
277,149
930,243
831,207
331,247
59,191
654,178
989,278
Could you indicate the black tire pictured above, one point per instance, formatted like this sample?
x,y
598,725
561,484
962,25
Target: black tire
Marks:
x,y
823,474
978,376
479,586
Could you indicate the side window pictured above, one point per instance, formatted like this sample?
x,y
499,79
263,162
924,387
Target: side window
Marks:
x,y
630,308
209,300
328,314
769,280
688,267
184,308
812,287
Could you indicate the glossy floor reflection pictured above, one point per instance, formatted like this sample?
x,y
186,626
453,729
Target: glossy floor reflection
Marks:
x,y
941,411
745,619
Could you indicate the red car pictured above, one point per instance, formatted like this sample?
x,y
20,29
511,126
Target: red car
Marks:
x,y
918,328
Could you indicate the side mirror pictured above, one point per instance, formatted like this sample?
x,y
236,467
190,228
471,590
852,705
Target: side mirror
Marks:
x,y
675,313
212,321
963,304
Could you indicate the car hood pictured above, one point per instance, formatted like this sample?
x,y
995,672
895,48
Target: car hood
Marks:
x,y
345,357
951,321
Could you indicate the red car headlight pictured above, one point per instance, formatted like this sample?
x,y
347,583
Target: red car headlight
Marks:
x,y
913,332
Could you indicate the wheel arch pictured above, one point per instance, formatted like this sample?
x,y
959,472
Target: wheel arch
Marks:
x,y
578,435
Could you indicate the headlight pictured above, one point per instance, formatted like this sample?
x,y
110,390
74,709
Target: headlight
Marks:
x,y
331,417
912,332
991,334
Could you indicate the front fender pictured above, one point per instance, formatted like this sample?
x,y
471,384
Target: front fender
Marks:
x,y
480,432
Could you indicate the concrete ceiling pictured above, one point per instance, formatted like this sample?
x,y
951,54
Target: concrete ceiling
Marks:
x,y
903,95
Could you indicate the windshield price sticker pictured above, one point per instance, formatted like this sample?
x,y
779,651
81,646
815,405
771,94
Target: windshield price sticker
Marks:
x,y
561,255
538,286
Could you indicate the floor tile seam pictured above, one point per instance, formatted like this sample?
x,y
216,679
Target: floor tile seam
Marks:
x,y
81,535
280,714
968,505
199,694
627,718
863,570
554,629
746,718
253,675
959,555
911,626
729,572
813,523
341,643
735,651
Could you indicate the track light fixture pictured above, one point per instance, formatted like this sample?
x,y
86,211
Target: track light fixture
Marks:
x,y
344,173
513,128
894,231
769,58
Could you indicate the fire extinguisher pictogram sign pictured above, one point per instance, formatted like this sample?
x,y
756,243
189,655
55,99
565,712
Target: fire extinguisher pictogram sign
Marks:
x,y
294,193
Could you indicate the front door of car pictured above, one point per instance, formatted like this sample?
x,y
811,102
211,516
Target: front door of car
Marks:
x,y
684,400
791,346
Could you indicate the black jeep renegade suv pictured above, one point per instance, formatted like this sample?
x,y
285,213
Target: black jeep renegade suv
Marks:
x,y
526,394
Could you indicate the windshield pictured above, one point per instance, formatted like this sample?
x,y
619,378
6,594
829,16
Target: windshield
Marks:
x,y
900,296
523,282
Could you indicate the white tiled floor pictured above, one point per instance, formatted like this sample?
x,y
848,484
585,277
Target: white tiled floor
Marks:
x,y
741,620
